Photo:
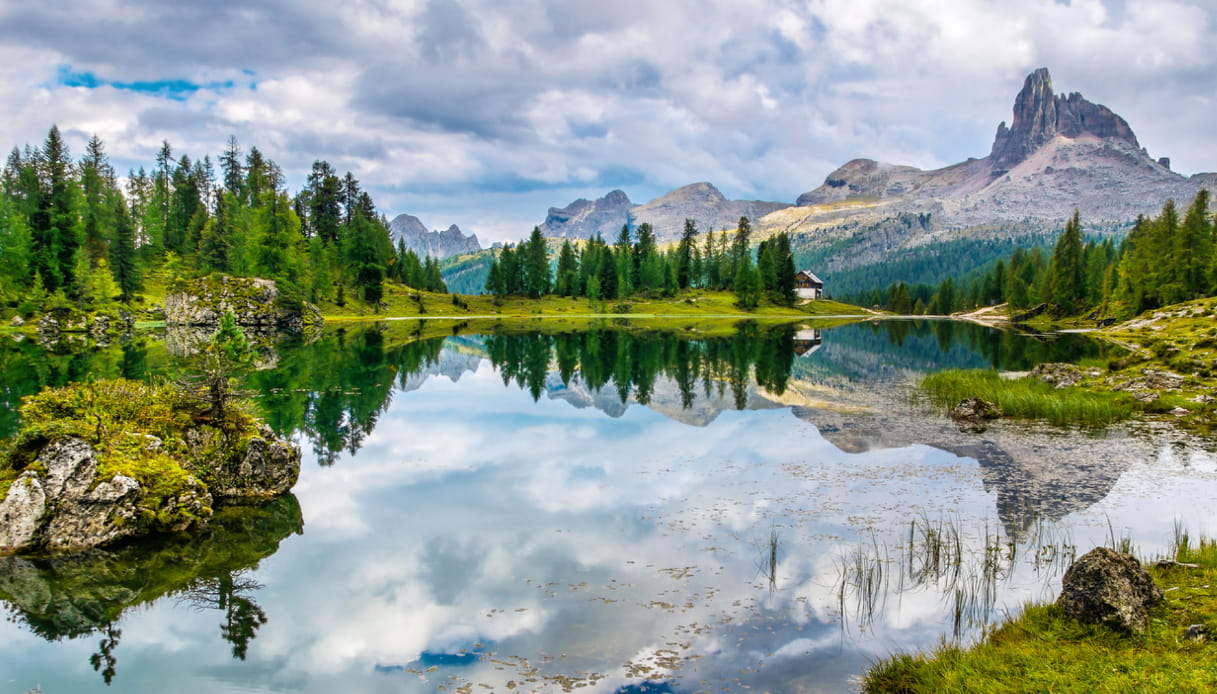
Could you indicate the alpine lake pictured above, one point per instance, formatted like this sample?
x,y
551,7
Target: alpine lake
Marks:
x,y
761,507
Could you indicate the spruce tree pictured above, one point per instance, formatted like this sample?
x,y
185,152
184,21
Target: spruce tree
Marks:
x,y
123,262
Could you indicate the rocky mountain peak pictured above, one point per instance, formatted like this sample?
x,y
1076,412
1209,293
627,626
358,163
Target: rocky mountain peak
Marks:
x,y
1040,115
438,244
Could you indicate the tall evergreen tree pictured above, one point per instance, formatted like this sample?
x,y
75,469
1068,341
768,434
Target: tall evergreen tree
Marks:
x,y
535,264
567,279
1067,271
123,262
686,253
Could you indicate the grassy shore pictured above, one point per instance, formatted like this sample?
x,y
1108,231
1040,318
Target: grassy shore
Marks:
x,y
1030,398
1041,650
1169,371
403,302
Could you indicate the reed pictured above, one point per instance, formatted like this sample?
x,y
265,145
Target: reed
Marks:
x,y
1041,650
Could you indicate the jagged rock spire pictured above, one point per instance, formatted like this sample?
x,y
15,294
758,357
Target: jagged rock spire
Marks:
x,y
1039,116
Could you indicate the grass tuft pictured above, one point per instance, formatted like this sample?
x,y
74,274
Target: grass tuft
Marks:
x,y
1041,650
1029,398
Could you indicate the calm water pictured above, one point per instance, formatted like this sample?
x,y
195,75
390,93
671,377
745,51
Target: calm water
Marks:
x,y
602,511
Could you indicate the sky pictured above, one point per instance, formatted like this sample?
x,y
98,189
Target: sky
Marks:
x,y
484,113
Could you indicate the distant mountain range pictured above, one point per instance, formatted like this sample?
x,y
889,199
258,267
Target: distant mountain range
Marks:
x,y
870,223
701,202
437,244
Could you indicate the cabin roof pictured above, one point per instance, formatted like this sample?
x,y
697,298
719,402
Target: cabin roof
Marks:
x,y
812,276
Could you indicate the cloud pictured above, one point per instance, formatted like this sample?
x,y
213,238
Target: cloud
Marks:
x,y
443,106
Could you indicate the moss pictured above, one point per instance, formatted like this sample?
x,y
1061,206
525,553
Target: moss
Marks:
x,y
139,431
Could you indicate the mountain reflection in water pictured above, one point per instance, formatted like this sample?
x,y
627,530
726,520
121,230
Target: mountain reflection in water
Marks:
x,y
617,510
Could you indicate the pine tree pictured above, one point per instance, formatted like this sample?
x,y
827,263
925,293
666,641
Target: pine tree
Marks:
x,y
686,252
535,263
1067,284
123,263
1193,250
747,284
568,271
54,227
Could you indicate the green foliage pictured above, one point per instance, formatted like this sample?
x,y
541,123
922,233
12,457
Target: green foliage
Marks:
x,y
1041,650
1029,398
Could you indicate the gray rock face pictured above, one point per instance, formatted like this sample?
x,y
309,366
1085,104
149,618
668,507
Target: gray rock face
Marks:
x,y
254,302
583,219
59,505
269,466
1108,587
701,202
1039,116
436,244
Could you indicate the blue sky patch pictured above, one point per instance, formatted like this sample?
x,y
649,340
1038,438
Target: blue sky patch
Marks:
x,y
177,90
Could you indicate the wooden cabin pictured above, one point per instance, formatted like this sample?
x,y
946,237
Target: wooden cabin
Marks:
x,y
807,285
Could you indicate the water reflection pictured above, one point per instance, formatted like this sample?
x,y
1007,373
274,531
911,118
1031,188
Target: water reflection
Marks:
x,y
756,511
87,593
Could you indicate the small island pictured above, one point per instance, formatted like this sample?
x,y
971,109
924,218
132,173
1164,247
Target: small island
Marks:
x,y
96,462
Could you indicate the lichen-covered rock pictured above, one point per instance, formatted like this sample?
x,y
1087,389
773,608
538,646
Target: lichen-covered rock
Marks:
x,y
1108,587
59,504
21,513
260,467
255,303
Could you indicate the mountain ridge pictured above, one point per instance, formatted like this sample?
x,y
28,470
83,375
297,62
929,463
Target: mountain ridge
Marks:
x,y
410,231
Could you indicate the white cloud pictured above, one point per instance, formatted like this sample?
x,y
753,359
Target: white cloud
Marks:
x,y
447,107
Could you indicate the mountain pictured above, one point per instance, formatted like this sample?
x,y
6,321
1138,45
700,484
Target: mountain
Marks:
x,y
583,219
872,223
437,244
1059,153
701,202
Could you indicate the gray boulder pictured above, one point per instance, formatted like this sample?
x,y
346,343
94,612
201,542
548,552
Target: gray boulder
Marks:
x,y
58,502
1108,587
255,303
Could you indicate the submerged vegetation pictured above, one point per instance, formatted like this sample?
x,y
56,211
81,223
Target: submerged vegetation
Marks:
x,y
1043,651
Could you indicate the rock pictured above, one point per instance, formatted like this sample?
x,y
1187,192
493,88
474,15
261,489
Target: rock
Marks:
x,y
1109,587
256,303
21,512
1060,375
17,322
1196,633
975,410
48,325
265,466
58,504
1039,116
1161,380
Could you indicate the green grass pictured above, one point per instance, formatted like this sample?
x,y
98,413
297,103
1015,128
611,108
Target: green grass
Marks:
x,y
402,301
1043,651
1029,398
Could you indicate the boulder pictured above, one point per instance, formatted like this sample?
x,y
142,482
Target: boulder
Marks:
x,y
1059,375
975,410
58,502
256,304
1108,587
